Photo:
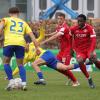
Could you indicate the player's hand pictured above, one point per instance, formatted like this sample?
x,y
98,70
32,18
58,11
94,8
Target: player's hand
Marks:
x,y
92,55
27,47
42,43
38,52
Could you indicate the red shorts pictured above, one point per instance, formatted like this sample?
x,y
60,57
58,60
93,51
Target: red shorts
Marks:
x,y
83,55
68,58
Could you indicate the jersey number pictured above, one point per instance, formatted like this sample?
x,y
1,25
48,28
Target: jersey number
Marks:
x,y
12,27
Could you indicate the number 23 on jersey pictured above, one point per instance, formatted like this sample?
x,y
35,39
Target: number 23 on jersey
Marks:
x,y
16,26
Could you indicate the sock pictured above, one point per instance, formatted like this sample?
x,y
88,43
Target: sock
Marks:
x,y
40,75
69,74
23,83
83,69
22,73
15,71
97,64
8,71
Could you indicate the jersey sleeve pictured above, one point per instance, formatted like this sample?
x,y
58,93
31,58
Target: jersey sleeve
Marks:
x,y
5,21
27,29
93,39
61,31
41,34
92,32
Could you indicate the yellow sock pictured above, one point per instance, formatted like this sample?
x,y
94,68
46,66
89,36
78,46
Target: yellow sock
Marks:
x,y
16,71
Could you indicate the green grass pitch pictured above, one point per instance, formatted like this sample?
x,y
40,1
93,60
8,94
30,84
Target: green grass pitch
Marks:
x,y
55,88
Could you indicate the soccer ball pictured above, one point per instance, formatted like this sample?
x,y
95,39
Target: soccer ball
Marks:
x,y
17,83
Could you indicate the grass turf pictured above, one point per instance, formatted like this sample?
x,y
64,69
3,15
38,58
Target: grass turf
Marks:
x,y
55,88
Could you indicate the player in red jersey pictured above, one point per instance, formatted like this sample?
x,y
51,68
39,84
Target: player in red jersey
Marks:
x,y
84,43
62,34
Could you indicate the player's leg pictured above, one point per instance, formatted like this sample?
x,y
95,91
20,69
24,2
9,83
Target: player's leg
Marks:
x,y
8,53
93,58
45,58
64,68
16,71
36,67
19,52
68,73
81,59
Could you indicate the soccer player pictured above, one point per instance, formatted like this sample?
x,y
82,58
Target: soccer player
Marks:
x,y
30,55
84,43
14,30
62,34
49,59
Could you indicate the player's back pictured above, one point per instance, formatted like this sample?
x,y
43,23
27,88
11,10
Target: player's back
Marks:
x,y
14,31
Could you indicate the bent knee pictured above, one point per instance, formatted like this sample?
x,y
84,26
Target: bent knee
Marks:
x,y
34,64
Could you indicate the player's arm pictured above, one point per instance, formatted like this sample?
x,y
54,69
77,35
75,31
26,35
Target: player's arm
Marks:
x,y
56,35
1,26
93,43
35,43
30,33
93,40
51,38
48,35
41,34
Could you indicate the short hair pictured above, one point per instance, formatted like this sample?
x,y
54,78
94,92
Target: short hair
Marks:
x,y
82,16
13,10
61,14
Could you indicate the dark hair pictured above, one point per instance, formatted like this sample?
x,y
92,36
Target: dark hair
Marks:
x,y
82,16
13,10
61,14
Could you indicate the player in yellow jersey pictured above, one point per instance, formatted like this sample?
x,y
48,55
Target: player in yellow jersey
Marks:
x,y
14,30
30,54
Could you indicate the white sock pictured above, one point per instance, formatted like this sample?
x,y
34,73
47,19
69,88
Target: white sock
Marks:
x,y
23,83
41,79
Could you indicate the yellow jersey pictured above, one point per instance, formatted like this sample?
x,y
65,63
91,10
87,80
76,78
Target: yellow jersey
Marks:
x,y
31,54
14,30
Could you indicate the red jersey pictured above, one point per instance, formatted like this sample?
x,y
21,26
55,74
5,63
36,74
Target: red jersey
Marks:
x,y
84,38
64,39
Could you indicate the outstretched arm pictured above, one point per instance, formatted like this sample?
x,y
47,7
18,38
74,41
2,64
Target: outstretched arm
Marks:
x,y
41,34
51,38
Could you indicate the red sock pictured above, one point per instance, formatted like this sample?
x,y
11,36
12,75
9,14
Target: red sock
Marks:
x,y
83,69
69,74
97,64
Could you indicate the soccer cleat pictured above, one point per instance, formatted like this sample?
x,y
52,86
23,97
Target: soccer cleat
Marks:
x,y
91,84
75,84
24,88
40,82
9,87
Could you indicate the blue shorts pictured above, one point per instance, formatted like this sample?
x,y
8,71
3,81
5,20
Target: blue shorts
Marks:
x,y
10,50
50,59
